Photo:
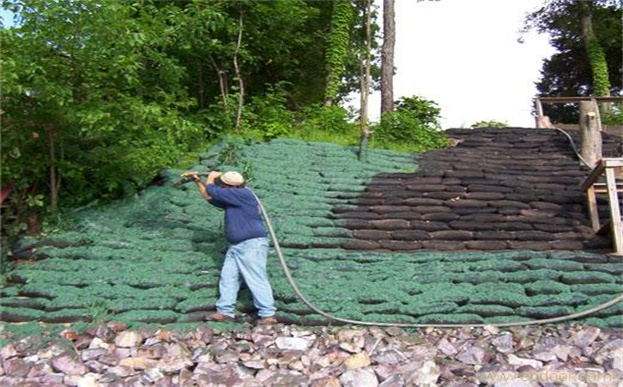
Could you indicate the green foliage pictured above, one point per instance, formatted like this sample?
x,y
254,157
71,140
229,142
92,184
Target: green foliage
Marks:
x,y
267,116
112,107
339,41
573,69
414,124
489,124
599,67
614,117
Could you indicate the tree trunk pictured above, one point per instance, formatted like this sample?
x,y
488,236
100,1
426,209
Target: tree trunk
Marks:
x,y
596,58
365,88
387,57
222,83
590,134
54,179
239,76
200,86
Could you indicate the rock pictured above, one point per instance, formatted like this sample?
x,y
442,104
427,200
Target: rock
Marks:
x,y
562,351
446,347
50,379
617,359
16,368
503,343
390,356
98,343
108,359
586,336
292,343
121,352
427,375
153,374
361,377
103,332
385,371
69,334
545,356
358,360
262,340
91,354
95,366
137,363
393,381
285,379
326,382
226,357
117,326
174,364
350,347
89,380
254,364
71,380
128,339
8,351
68,365
606,349
516,383
263,375
394,331
471,355
518,361
296,365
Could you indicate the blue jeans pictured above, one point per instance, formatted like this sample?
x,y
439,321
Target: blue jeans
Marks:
x,y
246,259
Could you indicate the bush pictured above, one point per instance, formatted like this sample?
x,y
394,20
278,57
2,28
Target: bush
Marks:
x,y
267,117
319,118
489,124
414,125
614,117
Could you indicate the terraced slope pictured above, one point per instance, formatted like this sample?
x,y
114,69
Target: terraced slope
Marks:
x,y
156,257
497,189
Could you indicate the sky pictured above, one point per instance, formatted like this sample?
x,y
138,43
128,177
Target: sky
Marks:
x,y
465,55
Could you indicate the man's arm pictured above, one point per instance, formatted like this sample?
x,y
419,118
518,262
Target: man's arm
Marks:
x,y
212,176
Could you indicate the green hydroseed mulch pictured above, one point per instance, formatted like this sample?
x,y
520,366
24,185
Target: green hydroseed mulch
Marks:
x,y
155,258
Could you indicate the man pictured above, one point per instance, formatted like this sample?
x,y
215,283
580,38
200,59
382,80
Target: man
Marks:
x,y
246,255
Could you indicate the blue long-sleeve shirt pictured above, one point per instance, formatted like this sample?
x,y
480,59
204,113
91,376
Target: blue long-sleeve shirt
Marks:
x,y
243,219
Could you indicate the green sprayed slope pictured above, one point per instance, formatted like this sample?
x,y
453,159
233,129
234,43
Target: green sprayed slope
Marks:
x,y
156,257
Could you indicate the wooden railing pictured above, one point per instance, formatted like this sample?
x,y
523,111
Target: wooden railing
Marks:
x,y
542,121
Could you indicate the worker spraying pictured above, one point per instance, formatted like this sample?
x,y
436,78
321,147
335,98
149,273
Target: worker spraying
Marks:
x,y
248,250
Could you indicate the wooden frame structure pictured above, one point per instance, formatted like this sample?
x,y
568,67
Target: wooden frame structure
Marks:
x,y
611,167
539,101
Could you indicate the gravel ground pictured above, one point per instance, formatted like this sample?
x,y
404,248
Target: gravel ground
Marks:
x,y
290,355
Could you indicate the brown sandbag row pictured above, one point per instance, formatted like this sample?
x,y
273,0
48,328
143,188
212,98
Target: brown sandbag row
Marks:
x,y
510,188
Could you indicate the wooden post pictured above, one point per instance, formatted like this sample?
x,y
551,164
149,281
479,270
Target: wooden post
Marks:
x,y
590,135
615,211
592,208
538,106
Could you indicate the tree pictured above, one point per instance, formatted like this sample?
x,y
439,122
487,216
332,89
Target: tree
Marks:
x,y
587,36
387,57
365,82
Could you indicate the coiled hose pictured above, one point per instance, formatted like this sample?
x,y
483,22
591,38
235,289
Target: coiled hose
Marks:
x,y
329,316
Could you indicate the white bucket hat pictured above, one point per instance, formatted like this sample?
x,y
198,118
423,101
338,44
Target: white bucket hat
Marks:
x,y
232,178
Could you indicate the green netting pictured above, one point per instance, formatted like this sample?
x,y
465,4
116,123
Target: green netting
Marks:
x,y
155,257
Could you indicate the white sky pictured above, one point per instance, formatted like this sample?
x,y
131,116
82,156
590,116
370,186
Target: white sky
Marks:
x,y
464,55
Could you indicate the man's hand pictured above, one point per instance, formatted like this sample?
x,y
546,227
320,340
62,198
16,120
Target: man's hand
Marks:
x,y
213,176
192,175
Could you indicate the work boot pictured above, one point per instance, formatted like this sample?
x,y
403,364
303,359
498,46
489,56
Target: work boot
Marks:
x,y
265,321
216,316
